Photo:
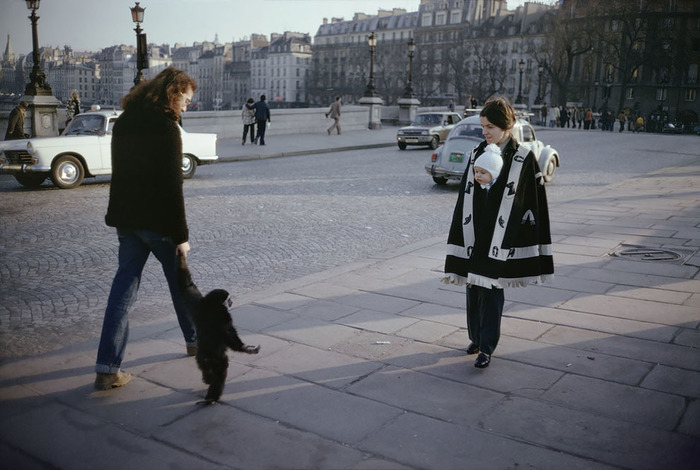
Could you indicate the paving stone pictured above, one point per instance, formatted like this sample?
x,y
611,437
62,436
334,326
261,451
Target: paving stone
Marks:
x,y
609,324
574,361
428,443
674,381
691,420
430,396
634,309
382,303
319,410
237,439
601,439
70,438
372,320
312,332
325,310
324,367
632,348
618,401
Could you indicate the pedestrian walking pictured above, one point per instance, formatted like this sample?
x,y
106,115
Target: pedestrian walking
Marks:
x,y
543,115
15,122
587,119
621,118
451,105
262,117
334,113
248,118
147,207
72,106
553,116
499,236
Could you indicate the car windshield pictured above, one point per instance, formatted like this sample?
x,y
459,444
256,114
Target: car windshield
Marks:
x,y
428,120
85,124
467,130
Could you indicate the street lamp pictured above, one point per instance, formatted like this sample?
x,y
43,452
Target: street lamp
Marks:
x,y
540,70
595,93
37,85
408,92
519,99
370,90
137,17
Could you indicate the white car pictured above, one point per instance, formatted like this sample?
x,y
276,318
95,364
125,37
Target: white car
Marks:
x,y
84,150
450,160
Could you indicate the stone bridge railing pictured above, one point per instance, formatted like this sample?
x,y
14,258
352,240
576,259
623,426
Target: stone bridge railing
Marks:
x,y
228,124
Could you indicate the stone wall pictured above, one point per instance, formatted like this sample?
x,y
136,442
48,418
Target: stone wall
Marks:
x,y
228,124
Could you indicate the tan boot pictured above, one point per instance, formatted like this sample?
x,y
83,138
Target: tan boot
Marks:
x,y
109,381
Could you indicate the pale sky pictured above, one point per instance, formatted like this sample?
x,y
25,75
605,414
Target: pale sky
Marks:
x,y
95,24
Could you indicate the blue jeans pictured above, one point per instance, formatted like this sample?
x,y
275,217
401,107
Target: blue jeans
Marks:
x,y
135,246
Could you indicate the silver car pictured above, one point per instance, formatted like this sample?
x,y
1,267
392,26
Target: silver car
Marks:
x,y
450,160
427,129
84,150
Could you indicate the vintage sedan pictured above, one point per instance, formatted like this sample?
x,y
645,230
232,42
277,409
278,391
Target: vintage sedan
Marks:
x,y
450,160
84,150
427,129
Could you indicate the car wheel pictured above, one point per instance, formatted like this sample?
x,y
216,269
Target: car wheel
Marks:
x,y
435,142
30,180
440,180
189,166
549,169
402,145
67,172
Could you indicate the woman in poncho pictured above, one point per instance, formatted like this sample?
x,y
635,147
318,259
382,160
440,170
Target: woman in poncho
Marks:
x,y
499,235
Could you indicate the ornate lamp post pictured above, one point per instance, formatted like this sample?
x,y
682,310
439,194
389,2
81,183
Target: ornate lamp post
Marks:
x,y
595,94
370,90
540,70
37,85
408,92
137,17
519,99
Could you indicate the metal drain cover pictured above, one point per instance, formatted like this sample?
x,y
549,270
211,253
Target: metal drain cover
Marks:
x,y
650,253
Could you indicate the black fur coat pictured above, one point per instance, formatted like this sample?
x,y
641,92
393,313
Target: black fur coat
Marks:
x,y
146,188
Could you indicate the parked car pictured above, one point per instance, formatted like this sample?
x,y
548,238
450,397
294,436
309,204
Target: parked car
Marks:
x,y
671,129
84,150
450,160
427,129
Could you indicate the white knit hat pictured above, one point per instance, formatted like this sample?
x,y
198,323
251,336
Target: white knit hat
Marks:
x,y
491,160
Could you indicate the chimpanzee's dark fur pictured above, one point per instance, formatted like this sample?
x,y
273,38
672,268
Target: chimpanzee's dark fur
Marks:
x,y
215,332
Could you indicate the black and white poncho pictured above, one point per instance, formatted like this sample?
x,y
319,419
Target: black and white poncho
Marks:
x,y
500,237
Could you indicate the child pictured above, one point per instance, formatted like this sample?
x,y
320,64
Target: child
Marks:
x,y
488,166
499,235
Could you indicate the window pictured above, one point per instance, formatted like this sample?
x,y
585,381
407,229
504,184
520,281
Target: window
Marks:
x,y
690,94
427,20
661,94
455,17
440,18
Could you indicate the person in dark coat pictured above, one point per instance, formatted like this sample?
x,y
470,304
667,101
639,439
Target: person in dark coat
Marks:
x,y
15,123
262,115
500,234
147,207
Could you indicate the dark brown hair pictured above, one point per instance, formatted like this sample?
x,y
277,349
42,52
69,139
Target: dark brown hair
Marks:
x,y
162,93
499,112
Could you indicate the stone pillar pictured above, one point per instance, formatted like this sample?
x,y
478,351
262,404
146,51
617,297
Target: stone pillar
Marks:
x,y
43,115
408,108
375,110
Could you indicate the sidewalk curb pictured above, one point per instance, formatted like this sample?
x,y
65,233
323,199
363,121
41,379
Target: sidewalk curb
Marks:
x,y
242,158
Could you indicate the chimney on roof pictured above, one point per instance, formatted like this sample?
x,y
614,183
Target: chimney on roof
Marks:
x,y
325,21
